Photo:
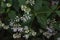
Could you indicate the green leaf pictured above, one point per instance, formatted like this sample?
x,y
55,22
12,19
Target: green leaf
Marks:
x,y
9,1
21,2
12,14
57,26
48,13
42,19
58,13
53,7
2,10
38,5
41,6
3,5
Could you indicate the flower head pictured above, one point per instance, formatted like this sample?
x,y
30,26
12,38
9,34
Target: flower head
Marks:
x,y
16,35
8,5
31,2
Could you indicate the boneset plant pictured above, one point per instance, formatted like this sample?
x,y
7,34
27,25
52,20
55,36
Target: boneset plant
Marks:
x,y
30,19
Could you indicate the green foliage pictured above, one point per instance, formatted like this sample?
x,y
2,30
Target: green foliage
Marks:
x,y
41,10
12,14
58,13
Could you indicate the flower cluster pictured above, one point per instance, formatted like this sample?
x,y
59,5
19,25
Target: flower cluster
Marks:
x,y
2,25
25,9
27,15
18,29
23,30
50,28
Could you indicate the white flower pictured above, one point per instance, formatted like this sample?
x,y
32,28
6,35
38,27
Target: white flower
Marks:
x,y
23,19
20,29
8,5
31,2
41,31
33,33
27,16
26,28
26,36
25,9
16,35
58,38
11,23
1,24
17,19
6,27
17,27
49,29
26,31
47,34
14,29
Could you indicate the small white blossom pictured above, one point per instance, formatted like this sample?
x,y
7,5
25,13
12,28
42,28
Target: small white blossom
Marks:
x,y
49,29
1,24
26,31
47,34
23,19
17,19
41,31
11,23
26,36
27,16
33,33
8,5
31,2
17,27
16,35
26,28
14,29
6,27
25,9
20,29
58,38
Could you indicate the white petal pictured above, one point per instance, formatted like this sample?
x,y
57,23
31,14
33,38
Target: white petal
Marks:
x,y
20,29
14,29
26,36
